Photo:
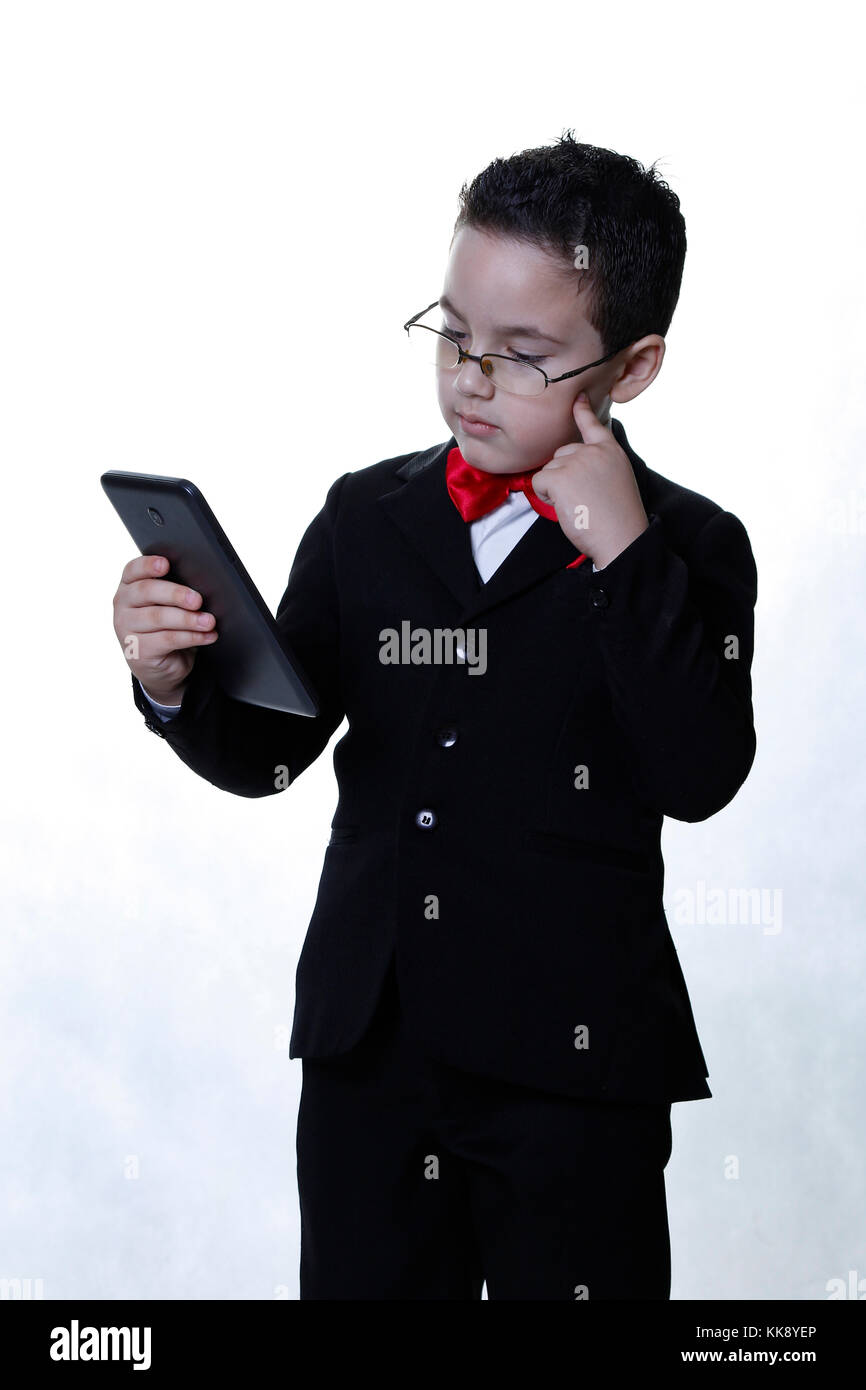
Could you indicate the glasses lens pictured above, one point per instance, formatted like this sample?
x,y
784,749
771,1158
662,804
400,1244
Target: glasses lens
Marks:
x,y
520,378
431,347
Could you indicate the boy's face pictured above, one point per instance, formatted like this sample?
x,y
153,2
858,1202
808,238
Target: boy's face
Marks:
x,y
492,284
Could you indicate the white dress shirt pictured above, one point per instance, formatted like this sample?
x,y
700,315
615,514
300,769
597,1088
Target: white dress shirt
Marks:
x,y
493,537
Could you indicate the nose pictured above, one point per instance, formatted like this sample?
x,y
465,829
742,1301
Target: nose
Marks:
x,y
471,381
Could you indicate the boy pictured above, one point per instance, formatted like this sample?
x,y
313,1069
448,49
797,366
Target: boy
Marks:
x,y
489,1006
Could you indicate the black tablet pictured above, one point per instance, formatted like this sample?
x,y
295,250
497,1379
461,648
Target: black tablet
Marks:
x,y
250,659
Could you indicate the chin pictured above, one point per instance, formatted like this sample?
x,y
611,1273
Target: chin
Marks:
x,y
472,458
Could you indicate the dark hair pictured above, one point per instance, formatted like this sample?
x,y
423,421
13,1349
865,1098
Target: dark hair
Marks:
x,y
565,195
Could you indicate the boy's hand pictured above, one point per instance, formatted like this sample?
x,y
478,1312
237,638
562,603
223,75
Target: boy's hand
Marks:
x,y
593,490
158,627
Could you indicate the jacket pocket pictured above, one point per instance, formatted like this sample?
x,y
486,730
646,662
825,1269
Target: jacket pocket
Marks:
x,y
344,834
585,851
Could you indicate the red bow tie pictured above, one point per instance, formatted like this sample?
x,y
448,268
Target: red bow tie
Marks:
x,y
475,493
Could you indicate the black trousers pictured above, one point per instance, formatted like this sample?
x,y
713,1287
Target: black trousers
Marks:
x,y
420,1181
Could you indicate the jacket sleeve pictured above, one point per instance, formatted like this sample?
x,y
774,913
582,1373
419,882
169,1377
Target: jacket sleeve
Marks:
x,y
677,636
241,748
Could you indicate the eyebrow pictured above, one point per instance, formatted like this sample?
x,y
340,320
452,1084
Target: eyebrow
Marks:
x,y
508,330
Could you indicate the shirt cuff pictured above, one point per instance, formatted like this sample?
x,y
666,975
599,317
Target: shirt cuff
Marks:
x,y
165,712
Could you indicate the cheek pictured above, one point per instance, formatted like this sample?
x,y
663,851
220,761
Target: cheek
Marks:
x,y
565,411
547,421
445,395
562,420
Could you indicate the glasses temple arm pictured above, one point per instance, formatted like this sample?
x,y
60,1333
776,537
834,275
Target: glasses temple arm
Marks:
x,y
420,315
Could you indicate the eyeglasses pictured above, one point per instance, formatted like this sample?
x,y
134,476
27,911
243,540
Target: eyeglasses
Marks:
x,y
512,374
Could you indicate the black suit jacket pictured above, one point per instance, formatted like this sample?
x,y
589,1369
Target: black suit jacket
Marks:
x,y
525,910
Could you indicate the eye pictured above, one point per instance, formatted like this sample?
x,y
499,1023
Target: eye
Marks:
x,y
524,357
533,361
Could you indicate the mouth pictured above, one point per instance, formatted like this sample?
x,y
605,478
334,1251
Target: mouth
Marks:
x,y
473,424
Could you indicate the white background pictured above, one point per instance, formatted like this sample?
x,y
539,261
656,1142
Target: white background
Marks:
x,y
206,208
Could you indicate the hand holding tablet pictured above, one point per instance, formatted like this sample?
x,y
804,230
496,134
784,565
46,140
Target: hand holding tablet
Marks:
x,y
156,618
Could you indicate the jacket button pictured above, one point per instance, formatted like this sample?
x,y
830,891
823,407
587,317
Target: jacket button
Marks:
x,y
446,737
599,599
153,729
426,819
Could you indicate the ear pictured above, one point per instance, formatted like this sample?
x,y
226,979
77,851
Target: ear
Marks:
x,y
640,367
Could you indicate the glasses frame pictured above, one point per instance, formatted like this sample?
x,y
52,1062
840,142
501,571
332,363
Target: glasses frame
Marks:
x,y
464,356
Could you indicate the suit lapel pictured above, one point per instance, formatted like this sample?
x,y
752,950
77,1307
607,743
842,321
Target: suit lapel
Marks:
x,y
422,508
